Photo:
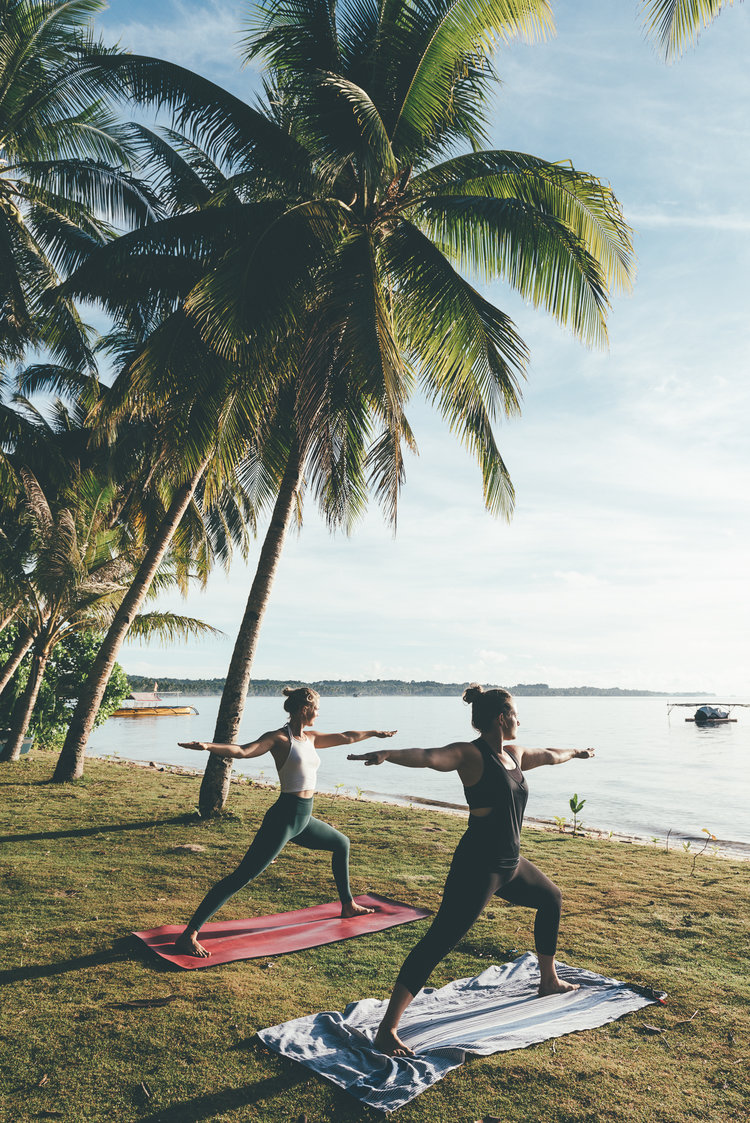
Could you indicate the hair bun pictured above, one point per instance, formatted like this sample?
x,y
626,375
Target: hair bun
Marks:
x,y
472,692
289,690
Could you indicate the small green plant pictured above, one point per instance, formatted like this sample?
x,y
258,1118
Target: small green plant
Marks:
x,y
576,805
709,838
358,791
337,787
686,845
561,821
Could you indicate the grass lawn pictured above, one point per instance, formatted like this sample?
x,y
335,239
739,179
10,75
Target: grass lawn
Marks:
x,y
81,865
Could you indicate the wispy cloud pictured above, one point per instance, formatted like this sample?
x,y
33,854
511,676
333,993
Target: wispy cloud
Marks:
x,y
204,37
662,219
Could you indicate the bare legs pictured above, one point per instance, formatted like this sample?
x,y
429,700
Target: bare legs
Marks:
x,y
187,944
351,908
386,1039
550,982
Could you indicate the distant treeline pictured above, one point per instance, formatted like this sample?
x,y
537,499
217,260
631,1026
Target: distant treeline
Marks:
x,y
331,688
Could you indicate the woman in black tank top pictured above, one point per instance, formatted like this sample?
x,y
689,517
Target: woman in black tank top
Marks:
x,y
487,861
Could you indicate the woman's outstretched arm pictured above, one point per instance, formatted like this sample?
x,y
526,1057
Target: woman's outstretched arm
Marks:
x,y
330,740
446,759
535,758
237,752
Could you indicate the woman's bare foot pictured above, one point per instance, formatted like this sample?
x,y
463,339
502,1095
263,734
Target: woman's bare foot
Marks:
x,y
187,944
556,986
353,909
387,1041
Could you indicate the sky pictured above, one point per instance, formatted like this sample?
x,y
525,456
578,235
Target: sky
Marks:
x,y
626,561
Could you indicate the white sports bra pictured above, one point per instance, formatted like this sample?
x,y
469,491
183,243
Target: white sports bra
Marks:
x,y
299,770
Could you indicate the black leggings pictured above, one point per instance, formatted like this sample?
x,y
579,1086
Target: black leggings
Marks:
x,y
471,883
288,820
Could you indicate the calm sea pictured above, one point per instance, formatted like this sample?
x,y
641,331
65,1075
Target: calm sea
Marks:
x,y
652,773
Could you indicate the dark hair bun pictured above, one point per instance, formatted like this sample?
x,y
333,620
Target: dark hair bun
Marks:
x,y
472,693
289,690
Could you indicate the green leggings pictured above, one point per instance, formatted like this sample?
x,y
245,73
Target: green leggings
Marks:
x,y
288,820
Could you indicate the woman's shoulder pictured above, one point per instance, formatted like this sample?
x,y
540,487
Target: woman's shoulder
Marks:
x,y
467,749
281,736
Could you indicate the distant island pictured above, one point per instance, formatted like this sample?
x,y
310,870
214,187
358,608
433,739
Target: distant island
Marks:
x,y
390,687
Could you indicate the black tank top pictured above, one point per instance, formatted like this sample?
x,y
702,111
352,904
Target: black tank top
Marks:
x,y
506,792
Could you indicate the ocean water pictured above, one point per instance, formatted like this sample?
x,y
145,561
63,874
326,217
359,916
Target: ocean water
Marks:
x,y
652,772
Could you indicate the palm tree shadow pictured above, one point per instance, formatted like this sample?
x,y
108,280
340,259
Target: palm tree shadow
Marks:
x,y
103,828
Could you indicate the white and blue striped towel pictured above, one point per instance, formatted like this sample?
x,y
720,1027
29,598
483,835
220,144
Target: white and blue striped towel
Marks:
x,y
491,1013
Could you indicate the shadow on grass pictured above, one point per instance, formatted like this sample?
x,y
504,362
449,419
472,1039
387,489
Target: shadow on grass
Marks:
x,y
104,828
123,948
210,1105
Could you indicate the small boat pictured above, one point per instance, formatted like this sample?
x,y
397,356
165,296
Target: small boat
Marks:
x,y
153,703
26,745
718,714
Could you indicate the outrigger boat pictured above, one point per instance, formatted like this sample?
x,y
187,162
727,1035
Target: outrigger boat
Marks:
x,y
718,714
153,703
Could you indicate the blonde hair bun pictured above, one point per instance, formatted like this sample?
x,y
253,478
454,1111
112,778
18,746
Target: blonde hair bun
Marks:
x,y
297,697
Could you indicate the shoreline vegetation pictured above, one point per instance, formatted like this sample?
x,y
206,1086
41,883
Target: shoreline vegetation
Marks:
x,y
372,688
93,1030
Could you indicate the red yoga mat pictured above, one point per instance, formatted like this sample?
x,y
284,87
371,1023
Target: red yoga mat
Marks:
x,y
283,932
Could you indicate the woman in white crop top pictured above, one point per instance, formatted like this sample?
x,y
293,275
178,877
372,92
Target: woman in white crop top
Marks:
x,y
290,819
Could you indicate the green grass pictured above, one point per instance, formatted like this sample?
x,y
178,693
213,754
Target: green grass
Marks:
x,y
82,865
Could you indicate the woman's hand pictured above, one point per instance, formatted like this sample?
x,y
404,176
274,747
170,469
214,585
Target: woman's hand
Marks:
x,y
372,758
199,746
384,732
584,754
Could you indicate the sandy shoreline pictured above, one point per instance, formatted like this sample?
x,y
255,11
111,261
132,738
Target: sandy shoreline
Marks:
x,y
721,848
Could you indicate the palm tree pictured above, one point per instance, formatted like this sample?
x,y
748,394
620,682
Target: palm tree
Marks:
x,y
213,409
676,24
381,98
62,182
337,240
136,456
72,568
208,480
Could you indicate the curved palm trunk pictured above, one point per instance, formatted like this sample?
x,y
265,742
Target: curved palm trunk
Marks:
x,y
14,660
5,620
70,762
25,707
215,785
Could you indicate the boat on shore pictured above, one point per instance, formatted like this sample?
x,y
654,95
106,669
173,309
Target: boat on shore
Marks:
x,y
153,703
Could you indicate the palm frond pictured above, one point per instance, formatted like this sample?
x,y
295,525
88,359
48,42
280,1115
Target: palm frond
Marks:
x,y
676,24
445,37
582,203
169,627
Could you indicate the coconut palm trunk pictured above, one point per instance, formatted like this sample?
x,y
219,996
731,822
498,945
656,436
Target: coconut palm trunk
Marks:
x,y
21,646
216,779
25,707
70,762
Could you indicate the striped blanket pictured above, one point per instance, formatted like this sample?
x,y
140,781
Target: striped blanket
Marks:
x,y
490,1013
